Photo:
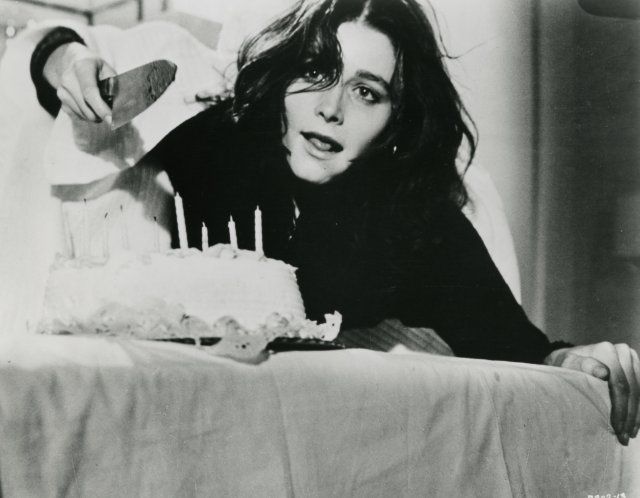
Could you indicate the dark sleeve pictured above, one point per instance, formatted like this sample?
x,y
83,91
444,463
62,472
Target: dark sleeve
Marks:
x,y
45,92
458,291
199,157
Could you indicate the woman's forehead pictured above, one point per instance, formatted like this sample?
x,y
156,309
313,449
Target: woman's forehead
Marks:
x,y
366,50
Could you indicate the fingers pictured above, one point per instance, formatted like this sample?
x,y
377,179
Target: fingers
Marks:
x,y
636,370
586,364
68,103
87,78
73,89
619,365
619,391
626,358
105,70
617,381
79,92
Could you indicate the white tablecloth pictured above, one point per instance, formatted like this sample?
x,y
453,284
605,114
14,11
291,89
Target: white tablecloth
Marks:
x,y
100,417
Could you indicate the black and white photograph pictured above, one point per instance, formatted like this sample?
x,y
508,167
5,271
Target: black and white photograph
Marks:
x,y
320,248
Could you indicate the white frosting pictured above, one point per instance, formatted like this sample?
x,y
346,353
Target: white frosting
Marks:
x,y
173,294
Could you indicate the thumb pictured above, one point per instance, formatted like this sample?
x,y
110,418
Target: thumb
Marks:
x,y
586,364
105,70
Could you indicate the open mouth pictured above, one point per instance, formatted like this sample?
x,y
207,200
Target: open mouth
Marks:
x,y
322,143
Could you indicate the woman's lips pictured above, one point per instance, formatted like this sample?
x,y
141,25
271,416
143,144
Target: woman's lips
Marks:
x,y
322,143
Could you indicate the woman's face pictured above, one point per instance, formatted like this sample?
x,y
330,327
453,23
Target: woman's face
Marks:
x,y
327,129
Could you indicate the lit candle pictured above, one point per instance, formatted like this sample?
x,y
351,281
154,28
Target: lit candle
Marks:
x,y
105,236
233,237
182,227
258,230
205,237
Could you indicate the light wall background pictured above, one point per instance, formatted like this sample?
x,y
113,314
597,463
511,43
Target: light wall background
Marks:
x,y
588,147
555,94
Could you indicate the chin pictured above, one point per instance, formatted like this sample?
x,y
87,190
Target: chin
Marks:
x,y
311,176
310,171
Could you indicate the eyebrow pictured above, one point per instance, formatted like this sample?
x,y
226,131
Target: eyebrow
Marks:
x,y
374,77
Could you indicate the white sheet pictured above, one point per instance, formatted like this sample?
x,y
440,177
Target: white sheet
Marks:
x,y
100,417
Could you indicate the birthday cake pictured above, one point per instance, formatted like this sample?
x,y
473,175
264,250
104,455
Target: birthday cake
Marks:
x,y
180,293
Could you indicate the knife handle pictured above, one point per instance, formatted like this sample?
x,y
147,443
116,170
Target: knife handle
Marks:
x,y
107,89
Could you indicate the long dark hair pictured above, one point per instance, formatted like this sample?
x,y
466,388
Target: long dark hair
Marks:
x,y
412,166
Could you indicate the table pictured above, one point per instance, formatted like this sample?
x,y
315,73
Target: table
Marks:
x,y
104,417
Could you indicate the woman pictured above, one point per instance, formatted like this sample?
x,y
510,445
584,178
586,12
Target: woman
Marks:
x,y
344,112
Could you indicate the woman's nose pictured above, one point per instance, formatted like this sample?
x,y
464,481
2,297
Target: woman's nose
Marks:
x,y
329,105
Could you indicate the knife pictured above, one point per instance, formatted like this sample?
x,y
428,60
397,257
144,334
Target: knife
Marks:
x,y
130,93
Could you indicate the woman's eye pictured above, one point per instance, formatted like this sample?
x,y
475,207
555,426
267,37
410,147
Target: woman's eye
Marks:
x,y
367,94
313,75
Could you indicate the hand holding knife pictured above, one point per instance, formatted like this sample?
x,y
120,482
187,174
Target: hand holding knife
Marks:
x,y
73,70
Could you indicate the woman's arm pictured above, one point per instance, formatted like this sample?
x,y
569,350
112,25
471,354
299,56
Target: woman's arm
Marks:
x,y
200,158
66,73
457,290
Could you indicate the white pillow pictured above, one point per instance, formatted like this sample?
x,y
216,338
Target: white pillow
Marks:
x,y
245,18
486,213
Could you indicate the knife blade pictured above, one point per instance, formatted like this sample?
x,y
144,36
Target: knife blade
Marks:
x,y
130,93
